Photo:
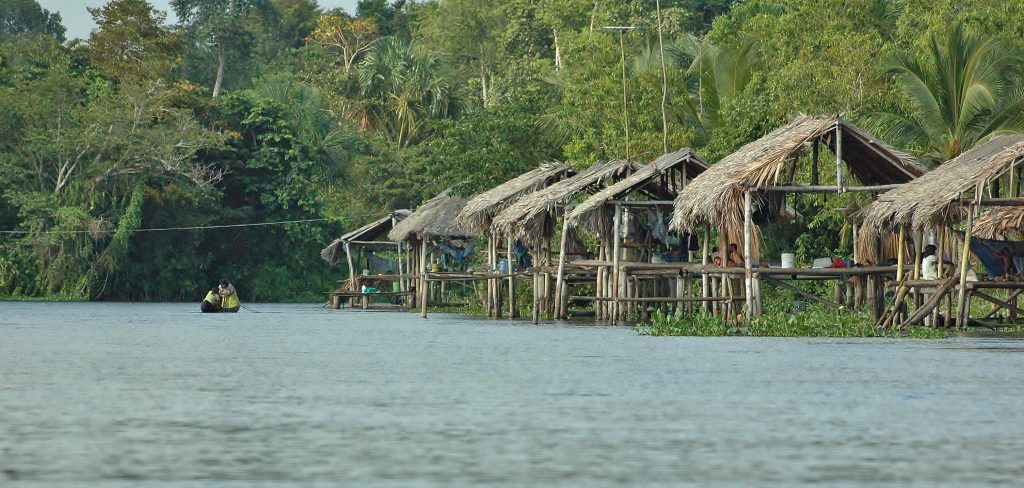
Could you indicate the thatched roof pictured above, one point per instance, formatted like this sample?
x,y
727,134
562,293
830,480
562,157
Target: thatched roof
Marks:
x,y
525,219
1000,223
934,199
589,214
716,196
434,218
375,231
476,216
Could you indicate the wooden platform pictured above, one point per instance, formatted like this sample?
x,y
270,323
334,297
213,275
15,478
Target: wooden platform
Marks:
x,y
365,299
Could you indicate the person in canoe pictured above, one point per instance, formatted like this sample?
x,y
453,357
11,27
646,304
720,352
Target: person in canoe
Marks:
x,y
229,301
222,298
211,304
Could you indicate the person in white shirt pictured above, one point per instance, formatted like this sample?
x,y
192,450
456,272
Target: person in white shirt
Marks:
x,y
929,263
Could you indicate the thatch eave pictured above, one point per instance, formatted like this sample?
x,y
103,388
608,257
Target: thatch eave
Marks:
x,y
434,218
372,232
589,214
526,219
934,200
716,196
478,212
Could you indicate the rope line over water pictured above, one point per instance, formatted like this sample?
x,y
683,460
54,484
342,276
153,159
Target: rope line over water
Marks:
x,y
164,229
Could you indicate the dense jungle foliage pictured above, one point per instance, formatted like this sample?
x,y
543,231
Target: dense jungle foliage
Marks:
x,y
269,110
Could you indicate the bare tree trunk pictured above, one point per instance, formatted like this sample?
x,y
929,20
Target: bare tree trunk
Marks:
x,y
558,51
483,82
221,59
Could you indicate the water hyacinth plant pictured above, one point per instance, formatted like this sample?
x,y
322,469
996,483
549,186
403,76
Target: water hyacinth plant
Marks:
x,y
816,322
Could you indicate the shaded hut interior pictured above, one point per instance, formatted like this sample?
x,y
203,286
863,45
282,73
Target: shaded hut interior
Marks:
x,y
750,188
979,190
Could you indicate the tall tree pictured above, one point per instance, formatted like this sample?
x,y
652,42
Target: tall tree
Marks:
x,y
964,89
131,39
216,23
468,30
346,36
27,17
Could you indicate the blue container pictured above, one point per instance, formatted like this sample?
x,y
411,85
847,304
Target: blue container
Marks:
x,y
503,266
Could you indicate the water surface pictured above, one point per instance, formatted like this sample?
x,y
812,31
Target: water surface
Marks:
x,y
156,394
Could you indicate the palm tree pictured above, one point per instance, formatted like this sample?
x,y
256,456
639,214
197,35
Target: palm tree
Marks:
x,y
309,115
713,75
402,86
966,88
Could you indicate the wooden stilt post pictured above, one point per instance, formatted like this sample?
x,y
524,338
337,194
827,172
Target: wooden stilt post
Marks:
x,y
423,278
839,155
747,252
899,253
963,311
560,300
704,290
351,272
536,318
489,301
513,310
617,246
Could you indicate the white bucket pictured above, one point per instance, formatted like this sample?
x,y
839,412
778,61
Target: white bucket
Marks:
x,y
788,260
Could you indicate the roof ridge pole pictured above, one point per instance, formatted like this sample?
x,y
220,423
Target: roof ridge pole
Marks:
x,y
839,155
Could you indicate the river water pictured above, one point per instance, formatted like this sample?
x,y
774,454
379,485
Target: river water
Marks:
x,y
157,394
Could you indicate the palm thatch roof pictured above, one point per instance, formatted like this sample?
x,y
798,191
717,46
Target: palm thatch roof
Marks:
x,y
434,218
375,232
589,215
934,199
476,216
1005,223
716,196
527,217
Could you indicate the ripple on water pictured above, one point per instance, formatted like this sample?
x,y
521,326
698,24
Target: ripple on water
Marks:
x,y
129,394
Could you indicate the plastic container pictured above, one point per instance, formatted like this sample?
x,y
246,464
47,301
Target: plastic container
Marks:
x,y
788,260
396,286
503,266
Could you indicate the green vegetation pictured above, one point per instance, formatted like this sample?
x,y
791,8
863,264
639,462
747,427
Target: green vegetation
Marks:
x,y
270,110
816,322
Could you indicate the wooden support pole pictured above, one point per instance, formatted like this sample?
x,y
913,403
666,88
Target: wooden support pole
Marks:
x,y
423,279
814,161
747,252
839,154
616,249
351,271
899,253
963,311
704,290
561,304
513,310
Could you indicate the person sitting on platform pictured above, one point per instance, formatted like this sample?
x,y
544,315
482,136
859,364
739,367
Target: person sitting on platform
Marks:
x,y
930,264
735,258
1009,269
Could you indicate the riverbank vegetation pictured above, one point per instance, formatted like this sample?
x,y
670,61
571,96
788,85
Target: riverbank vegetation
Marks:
x,y
251,111
813,322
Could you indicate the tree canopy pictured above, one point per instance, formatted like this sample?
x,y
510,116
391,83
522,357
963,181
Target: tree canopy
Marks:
x,y
250,111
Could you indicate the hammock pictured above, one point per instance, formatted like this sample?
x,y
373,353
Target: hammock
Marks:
x,y
987,251
381,265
